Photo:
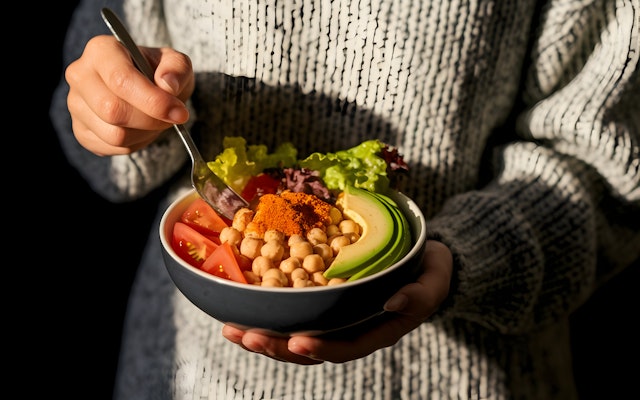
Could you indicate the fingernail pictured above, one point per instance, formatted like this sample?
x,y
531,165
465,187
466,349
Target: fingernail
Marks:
x,y
396,303
172,82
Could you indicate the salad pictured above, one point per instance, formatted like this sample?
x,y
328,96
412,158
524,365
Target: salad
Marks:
x,y
299,219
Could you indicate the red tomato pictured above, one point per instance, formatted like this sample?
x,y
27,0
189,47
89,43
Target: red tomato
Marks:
x,y
201,217
259,185
222,262
191,245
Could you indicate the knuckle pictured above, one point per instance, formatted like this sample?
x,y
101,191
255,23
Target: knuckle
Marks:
x,y
112,110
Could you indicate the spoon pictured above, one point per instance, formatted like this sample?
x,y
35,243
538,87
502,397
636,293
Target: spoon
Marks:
x,y
209,186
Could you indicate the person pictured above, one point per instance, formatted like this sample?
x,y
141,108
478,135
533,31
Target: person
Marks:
x,y
519,123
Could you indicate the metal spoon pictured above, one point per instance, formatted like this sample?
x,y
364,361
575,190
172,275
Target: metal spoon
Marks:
x,y
209,186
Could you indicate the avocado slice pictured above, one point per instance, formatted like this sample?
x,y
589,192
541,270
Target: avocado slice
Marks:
x,y
378,232
406,235
401,242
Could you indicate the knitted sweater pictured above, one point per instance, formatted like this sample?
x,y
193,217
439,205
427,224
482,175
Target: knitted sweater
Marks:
x,y
520,125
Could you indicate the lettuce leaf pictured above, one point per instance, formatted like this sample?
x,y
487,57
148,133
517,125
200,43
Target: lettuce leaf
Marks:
x,y
362,166
238,161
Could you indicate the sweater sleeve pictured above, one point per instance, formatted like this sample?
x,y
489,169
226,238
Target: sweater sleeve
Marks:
x,y
126,177
561,214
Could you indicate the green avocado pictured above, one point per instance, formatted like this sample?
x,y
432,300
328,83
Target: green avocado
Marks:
x,y
382,234
401,242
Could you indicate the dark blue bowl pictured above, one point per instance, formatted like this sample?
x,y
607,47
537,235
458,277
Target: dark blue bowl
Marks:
x,y
291,311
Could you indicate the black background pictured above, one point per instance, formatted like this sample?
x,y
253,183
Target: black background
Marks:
x,y
87,249
84,250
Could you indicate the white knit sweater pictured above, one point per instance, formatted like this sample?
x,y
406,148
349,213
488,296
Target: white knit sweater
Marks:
x,y
520,125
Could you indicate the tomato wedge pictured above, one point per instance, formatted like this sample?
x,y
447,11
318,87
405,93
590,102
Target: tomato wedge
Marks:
x,y
222,262
191,245
259,185
201,217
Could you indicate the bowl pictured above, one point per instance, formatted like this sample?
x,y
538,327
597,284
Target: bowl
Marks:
x,y
292,311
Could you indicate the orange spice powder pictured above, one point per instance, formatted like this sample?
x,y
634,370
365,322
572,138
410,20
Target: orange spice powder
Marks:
x,y
290,213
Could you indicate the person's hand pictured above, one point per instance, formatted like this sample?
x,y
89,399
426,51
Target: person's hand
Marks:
x,y
114,108
407,309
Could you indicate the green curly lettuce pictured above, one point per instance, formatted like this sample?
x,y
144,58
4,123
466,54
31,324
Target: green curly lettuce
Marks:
x,y
238,162
362,166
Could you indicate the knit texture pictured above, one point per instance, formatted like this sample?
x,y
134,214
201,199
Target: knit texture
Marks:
x,y
520,125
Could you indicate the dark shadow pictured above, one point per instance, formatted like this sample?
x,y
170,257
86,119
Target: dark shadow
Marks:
x,y
94,247
605,340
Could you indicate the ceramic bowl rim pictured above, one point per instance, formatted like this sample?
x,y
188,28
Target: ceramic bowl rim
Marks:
x,y
185,198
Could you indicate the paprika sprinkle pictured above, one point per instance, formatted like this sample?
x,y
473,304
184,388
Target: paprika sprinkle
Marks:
x,y
290,213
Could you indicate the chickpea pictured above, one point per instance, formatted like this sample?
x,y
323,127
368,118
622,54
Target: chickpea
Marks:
x,y
273,234
318,279
271,282
261,265
251,277
275,273
313,263
336,281
316,236
302,283
324,250
288,265
333,230
336,215
352,236
273,249
300,250
250,247
330,238
231,235
295,238
299,273
241,218
348,226
339,242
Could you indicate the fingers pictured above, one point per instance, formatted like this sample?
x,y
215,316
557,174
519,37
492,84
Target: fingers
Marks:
x,y
173,71
419,300
115,108
102,137
273,347
307,350
116,91
350,348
